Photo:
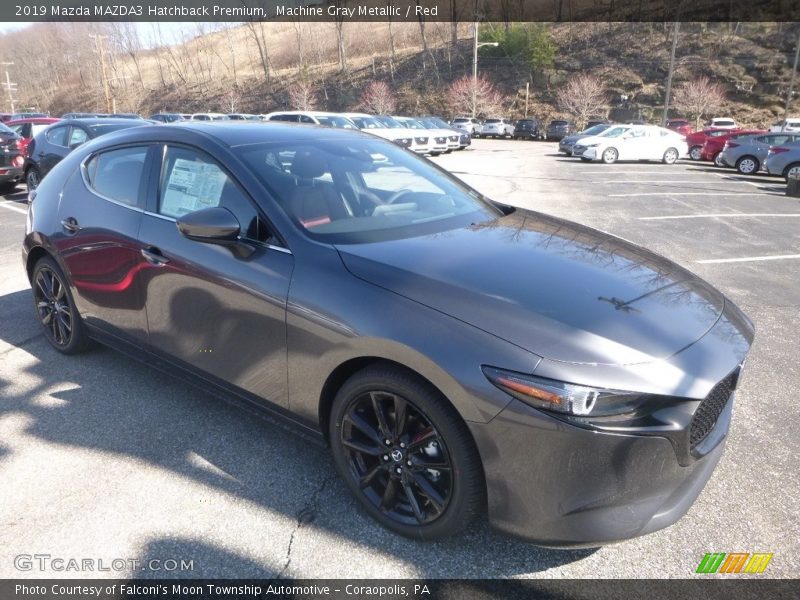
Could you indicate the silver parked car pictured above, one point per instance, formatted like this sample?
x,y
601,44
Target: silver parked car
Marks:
x,y
747,153
783,160
470,125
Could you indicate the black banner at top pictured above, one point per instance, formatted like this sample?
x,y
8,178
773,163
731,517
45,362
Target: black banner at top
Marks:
x,y
398,10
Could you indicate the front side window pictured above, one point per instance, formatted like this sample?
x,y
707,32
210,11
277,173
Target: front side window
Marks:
x,y
356,190
117,174
192,181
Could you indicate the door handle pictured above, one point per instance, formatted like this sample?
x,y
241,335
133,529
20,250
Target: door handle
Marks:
x,y
70,225
154,256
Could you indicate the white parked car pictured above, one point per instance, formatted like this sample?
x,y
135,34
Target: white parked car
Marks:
x,y
496,127
786,126
311,117
389,129
209,117
633,142
438,137
723,123
470,125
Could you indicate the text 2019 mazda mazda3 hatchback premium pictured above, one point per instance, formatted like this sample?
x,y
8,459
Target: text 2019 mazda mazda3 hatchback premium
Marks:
x,y
459,356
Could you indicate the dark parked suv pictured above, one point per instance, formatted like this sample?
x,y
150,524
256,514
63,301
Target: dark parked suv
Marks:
x,y
558,130
11,159
528,129
48,148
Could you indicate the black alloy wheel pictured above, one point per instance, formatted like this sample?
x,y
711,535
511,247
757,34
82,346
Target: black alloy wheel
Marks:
x,y
405,454
55,309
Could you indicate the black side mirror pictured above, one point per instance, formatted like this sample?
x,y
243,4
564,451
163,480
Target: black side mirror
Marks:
x,y
215,225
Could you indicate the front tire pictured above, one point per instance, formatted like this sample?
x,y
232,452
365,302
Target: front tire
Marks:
x,y
610,156
406,454
718,160
695,152
670,156
747,165
55,309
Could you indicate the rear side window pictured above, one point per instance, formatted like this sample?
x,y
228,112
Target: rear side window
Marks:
x,y
57,136
117,174
77,136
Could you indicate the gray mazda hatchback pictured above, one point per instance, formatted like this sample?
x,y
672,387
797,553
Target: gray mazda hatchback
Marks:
x,y
458,355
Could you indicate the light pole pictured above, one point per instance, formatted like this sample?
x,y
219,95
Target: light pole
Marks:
x,y
475,47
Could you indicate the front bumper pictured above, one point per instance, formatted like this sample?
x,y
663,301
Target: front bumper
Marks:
x,y
564,147
590,153
559,485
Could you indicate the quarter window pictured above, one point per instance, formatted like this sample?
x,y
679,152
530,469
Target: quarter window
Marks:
x,y
77,136
192,181
117,174
57,136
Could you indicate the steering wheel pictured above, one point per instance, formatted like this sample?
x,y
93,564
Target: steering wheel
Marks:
x,y
398,194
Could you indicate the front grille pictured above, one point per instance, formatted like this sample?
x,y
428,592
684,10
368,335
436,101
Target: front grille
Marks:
x,y
453,138
706,415
421,140
441,140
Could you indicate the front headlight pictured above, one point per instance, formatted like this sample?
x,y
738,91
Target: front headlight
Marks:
x,y
566,398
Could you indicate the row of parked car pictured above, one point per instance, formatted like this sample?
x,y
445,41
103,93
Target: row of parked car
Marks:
x,y
521,129
34,145
723,142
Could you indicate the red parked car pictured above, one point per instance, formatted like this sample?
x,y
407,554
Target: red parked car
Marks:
x,y
682,126
696,140
712,148
28,128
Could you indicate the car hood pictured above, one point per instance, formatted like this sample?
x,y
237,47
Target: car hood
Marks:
x,y
593,139
571,139
558,289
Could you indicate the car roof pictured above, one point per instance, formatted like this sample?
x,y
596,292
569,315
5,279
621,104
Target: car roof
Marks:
x,y
239,133
34,120
101,121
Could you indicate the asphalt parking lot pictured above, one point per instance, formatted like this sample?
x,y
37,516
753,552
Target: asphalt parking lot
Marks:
x,y
103,458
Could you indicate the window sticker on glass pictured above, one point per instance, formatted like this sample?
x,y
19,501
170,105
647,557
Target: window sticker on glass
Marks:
x,y
192,186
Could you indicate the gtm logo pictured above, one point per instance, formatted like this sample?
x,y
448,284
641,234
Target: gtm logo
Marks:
x,y
737,562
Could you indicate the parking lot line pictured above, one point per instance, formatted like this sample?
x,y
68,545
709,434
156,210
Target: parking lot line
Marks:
x,y
683,194
719,215
640,181
632,172
10,205
747,259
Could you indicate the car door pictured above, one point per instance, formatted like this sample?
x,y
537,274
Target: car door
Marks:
x,y
210,307
100,213
634,142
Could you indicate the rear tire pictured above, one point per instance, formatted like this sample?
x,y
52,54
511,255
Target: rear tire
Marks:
x,y
32,178
748,165
792,169
670,156
427,482
55,309
695,152
717,160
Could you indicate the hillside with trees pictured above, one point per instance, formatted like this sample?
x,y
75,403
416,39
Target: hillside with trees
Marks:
x,y
576,70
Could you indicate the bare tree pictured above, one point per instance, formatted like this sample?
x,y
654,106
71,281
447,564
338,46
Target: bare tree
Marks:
x,y
256,30
487,100
583,97
378,98
232,98
303,95
699,97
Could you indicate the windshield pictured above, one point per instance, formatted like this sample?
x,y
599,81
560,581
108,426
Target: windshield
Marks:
x,y
412,124
333,121
389,122
558,124
367,123
358,191
596,129
614,132
439,123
